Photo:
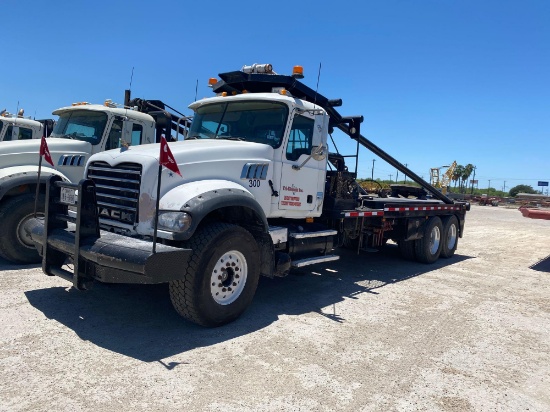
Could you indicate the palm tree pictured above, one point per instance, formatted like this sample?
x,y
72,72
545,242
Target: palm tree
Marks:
x,y
457,173
468,169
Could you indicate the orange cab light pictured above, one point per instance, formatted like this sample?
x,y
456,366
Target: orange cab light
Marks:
x,y
283,92
212,81
298,72
224,94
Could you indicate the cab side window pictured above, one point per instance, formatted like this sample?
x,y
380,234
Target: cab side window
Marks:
x,y
300,138
113,140
137,133
22,133
8,134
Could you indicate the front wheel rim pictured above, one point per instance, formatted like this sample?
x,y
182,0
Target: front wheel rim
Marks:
x,y
228,277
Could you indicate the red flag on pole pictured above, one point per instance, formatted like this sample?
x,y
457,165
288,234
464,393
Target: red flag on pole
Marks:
x,y
167,158
44,151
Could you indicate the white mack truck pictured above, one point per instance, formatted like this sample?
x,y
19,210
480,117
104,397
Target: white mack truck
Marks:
x,y
18,127
81,130
259,195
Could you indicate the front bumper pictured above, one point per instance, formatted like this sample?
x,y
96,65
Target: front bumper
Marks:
x,y
111,258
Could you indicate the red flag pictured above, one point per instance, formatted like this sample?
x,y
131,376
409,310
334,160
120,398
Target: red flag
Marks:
x,y
44,151
167,158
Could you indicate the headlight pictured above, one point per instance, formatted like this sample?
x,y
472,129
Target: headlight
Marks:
x,y
174,221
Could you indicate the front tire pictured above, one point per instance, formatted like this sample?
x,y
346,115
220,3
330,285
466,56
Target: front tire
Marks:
x,y
428,248
221,276
15,244
450,237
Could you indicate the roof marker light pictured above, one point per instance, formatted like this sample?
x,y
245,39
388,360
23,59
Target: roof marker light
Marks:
x,y
212,81
298,72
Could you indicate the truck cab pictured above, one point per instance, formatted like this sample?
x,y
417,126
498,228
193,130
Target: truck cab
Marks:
x,y
291,128
84,129
18,127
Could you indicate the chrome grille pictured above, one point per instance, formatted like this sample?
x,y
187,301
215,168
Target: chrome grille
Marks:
x,y
117,190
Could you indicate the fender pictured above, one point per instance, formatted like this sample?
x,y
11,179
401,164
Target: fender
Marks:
x,y
11,177
201,197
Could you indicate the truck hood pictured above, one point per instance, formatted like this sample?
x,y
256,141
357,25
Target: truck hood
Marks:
x,y
25,152
201,162
189,152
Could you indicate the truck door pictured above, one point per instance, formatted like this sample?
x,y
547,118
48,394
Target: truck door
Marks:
x,y
302,189
123,134
133,134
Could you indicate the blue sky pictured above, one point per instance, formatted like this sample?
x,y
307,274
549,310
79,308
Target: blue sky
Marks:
x,y
436,80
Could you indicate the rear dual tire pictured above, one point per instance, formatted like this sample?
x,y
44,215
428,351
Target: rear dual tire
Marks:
x,y
450,237
428,248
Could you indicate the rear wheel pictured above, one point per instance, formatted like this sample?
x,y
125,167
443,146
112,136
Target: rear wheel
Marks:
x,y
221,277
428,248
15,244
450,237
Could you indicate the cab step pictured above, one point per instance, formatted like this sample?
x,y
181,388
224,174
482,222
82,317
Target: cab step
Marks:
x,y
311,261
320,233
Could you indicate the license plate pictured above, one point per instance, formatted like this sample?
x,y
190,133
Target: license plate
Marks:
x,y
68,196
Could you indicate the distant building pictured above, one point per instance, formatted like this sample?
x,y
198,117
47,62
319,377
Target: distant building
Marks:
x,y
536,199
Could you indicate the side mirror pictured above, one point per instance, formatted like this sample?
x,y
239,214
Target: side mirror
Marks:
x,y
319,152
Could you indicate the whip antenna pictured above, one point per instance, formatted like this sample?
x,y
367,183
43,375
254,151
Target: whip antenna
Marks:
x,y
317,88
196,89
131,78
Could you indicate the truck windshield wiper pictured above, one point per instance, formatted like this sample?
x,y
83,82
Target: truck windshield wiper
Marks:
x,y
231,138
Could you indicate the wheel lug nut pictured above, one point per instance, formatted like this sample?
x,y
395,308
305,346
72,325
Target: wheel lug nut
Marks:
x,y
224,289
234,284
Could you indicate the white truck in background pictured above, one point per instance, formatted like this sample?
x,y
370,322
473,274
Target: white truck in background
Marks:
x,y
18,127
81,130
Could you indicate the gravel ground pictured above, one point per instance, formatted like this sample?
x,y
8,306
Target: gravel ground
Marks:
x,y
369,333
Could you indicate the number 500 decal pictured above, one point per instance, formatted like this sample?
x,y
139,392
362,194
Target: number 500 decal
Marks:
x,y
254,183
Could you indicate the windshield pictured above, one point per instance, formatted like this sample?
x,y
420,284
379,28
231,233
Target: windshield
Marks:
x,y
84,125
251,121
